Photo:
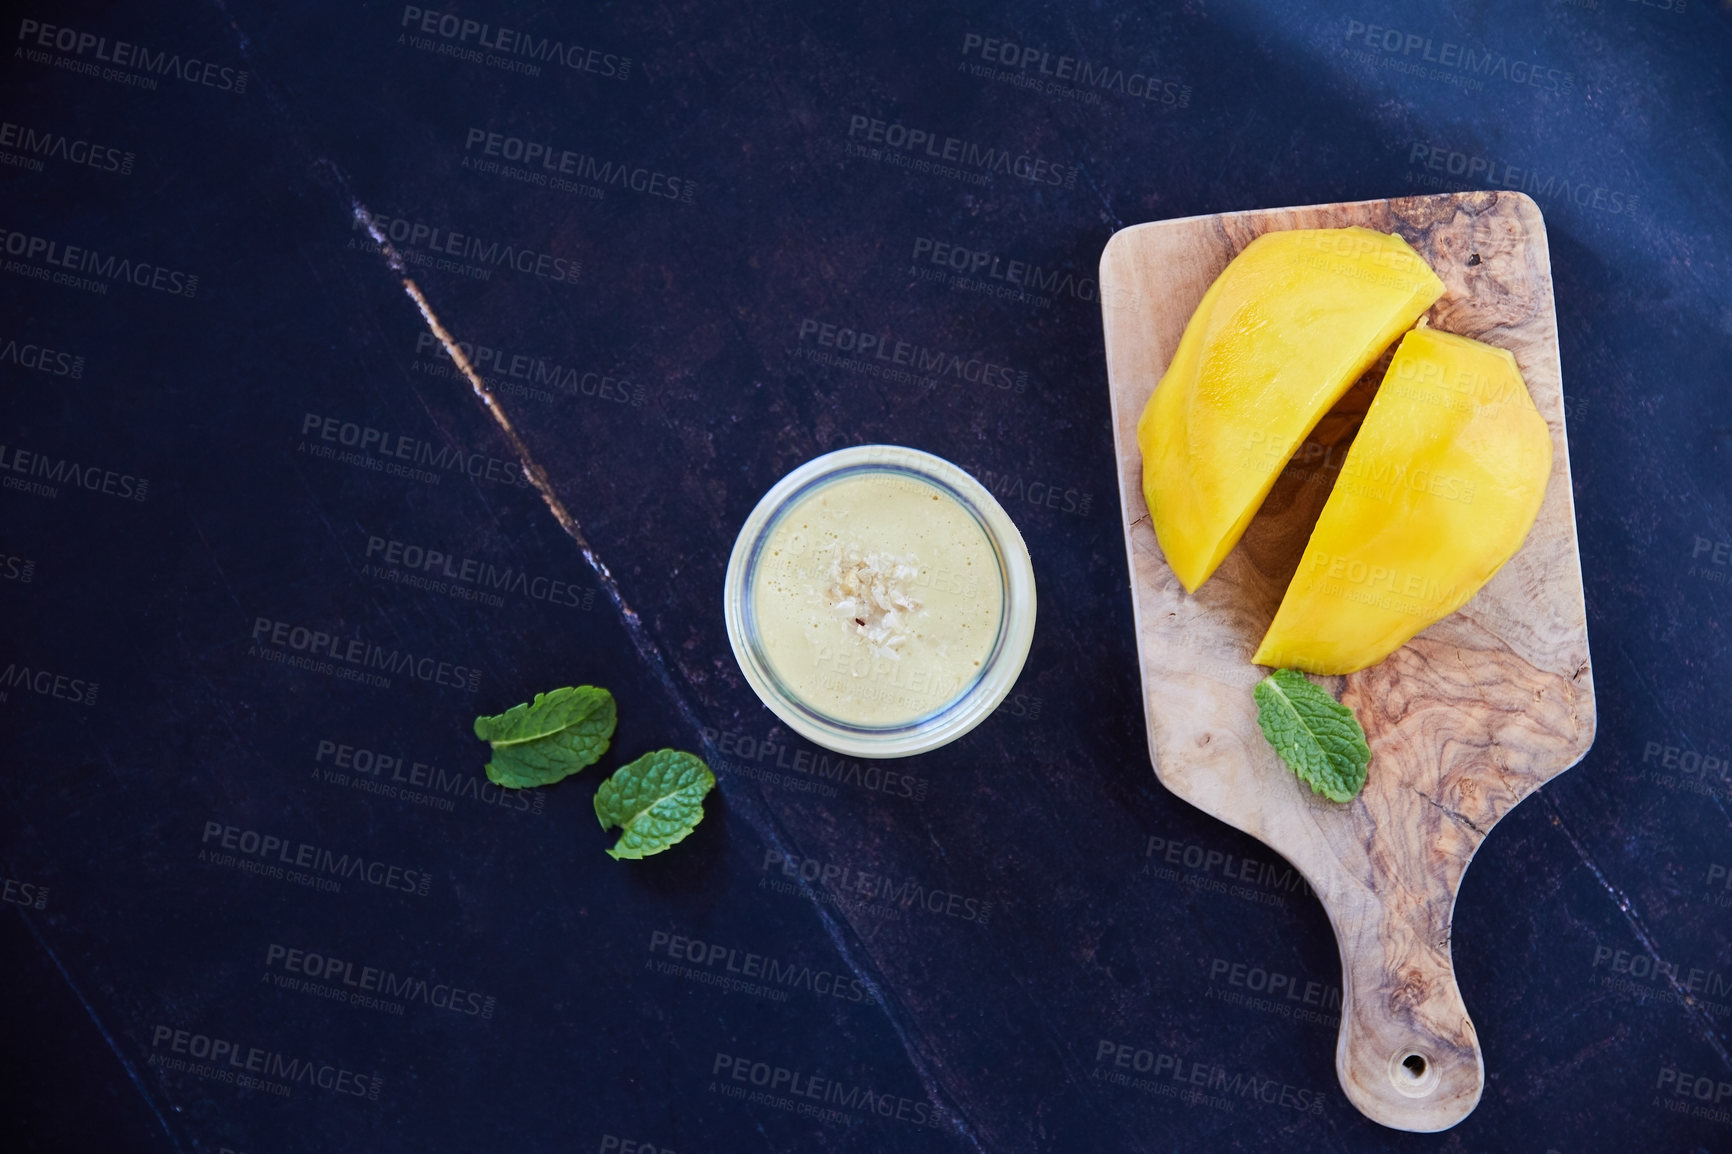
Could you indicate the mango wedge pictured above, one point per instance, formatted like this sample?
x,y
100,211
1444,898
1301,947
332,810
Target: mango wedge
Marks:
x,y
1283,332
1440,488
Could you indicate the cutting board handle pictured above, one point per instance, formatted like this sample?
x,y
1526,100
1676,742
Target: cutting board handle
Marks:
x,y
1408,1056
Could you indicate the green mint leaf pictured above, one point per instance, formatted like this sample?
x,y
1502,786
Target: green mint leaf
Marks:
x,y
656,801
1317,736
550,738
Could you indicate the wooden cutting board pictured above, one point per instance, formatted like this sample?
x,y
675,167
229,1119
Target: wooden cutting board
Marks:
x,y
1464,721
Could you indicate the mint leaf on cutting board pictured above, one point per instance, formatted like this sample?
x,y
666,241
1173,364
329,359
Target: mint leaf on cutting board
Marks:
x,y
1317,736
550,738
655,801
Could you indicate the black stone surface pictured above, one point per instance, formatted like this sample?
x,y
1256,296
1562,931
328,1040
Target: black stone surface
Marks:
x,y
995,931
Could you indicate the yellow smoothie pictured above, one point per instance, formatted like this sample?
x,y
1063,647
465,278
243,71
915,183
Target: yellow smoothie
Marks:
x,y
878,599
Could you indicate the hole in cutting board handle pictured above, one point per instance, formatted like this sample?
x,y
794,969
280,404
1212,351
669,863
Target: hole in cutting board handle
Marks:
x,y
1413,1073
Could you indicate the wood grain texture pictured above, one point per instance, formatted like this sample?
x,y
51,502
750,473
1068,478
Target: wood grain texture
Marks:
x,y
1464,721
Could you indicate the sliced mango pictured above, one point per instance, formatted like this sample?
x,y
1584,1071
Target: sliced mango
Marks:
x,y
1283,332
1439,489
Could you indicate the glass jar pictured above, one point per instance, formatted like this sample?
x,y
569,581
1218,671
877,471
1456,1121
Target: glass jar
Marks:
x,y
880,601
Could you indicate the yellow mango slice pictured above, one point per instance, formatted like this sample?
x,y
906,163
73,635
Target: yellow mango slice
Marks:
x,y
1283,332
1439,489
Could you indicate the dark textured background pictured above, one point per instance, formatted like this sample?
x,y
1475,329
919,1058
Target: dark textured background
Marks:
x,y
687,379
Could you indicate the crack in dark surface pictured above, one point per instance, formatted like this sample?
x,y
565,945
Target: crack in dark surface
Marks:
x,y
108,1039
763,822
1663,707
648,651
1693,1008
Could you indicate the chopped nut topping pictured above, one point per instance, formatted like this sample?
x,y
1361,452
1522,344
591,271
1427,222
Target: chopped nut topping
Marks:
x,y
876,592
